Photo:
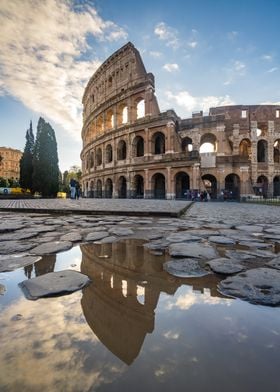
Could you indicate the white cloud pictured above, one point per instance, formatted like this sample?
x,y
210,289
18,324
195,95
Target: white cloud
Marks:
x,y
41,44
184,100
272,69
192,44
267,57
235,70
168,34
171,67
155,54
239,67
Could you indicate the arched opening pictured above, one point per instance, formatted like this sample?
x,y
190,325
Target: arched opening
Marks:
x,y
91,189
122,187
208,143
109,124
159,143
138,187
276,186
245,148
182,185
138,146
98,189
121,153
108,188
108,153
140,109
99,124
210,184
262,186
124,115
232,187
276,151
99,157
187,145
262,151
158,186
88,161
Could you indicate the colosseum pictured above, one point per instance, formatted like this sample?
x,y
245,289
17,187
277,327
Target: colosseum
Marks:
x,y
132,150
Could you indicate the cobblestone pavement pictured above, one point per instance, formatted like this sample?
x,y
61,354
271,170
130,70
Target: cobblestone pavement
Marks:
x,y
240,241
100,206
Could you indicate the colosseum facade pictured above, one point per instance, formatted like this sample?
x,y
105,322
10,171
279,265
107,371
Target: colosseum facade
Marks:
x,y
132,150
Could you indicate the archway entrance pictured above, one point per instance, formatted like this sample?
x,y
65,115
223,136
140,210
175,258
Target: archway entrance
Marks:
x,y
122,188
262,186
98,189
138,187
108,188
210,184
158,186
182,185
276,186
232,187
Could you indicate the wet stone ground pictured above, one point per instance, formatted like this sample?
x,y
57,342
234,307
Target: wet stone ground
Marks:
x,y
239,242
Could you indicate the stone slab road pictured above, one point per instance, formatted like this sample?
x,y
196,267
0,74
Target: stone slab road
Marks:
x,y
136,207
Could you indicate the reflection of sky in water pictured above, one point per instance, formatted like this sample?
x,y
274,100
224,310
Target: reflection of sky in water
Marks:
x,y
199,342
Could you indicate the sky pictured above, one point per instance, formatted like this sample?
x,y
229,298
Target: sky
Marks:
x,y
203,53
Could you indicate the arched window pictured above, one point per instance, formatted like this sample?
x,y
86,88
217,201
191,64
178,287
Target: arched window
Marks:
x,y
182,185
158,186
245,148
99,157
124,115
121,155
276,151
140,109
262,151
109,153
138,146
91,159
108,188
208,143
159,143
187,145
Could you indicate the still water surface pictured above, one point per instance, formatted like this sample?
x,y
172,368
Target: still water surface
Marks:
x,y
133,328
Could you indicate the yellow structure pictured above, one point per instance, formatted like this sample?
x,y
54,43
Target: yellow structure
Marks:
x,y
9,163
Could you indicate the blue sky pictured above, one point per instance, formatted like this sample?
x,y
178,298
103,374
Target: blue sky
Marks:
x,y
203,53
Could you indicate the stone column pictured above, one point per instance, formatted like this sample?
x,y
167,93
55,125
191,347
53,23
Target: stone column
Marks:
x,y
147,190
169,191
254,151
170,129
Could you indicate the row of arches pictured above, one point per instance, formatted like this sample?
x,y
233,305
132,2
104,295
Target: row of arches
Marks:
x,y
138,150
136,188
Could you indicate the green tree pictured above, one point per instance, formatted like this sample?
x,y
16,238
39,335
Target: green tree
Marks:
x,y
45,161
26,161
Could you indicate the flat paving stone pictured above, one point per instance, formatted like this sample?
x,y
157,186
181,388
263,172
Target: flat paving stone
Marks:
x,y
274,263
72,237
5,227
225,266
12,262
221,240
182,236
258,286
185,268
54,283
7,247
95,236
51,247
193,250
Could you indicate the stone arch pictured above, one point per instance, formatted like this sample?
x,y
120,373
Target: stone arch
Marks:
x,y
121,150
158,186
276,151
208,143
138,147
109,188
262,151
245,148
232,187
122,113
98,192
98,157
210,184
91,159
276,186
138,186
91,189
262,186
187,144
140,108
109,121
122,187
182,185
108,153
158,142
99,124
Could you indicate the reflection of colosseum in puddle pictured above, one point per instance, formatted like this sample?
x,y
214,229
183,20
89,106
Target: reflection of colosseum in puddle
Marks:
x,y
120,304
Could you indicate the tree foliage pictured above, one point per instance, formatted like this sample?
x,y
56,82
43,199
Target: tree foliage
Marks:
x,y
26,161
45,161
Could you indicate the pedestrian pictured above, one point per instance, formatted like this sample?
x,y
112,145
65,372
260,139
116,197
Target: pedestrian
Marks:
x,y
78,189
72,186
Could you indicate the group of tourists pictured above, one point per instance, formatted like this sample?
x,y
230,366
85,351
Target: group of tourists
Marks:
x,y
75,189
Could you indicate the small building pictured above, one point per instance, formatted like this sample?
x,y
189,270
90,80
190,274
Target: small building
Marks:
x,y
9,163
132,150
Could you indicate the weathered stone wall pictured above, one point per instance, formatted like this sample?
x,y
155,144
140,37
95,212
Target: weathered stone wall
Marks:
x,y
131,149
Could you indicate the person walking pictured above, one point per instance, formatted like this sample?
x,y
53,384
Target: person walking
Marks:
x,y
72,188
78,189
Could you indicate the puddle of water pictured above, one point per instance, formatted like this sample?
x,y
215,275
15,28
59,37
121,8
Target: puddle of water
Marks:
x,y
134,327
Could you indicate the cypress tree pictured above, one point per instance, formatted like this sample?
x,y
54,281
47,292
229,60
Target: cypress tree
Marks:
x,y
26,161
45,161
